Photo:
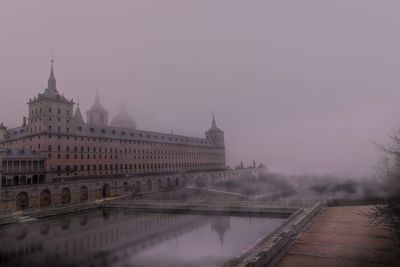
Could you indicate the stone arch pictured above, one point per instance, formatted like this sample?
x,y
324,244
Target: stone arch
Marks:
x,y
41,179
45,198
149,186
35,179
65,195
138,187
106,190
22,201
16,180
125,186
83,193
159,184
22,180
177,182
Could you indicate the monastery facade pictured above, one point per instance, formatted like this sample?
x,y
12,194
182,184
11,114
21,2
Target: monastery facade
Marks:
x,y
56,138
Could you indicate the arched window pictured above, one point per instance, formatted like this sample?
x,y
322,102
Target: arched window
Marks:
x,y
65,196
83,193
177,181
35,179
22,201
159,184
106,190
138,187
16,180
45,198
149,186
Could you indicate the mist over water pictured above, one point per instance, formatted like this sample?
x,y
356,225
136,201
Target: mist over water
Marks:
x,y
304,87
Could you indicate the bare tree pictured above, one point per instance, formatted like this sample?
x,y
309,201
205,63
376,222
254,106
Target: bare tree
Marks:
x,y
388,171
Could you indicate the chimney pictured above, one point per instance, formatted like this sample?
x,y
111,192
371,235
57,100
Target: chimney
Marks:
x,y
24,121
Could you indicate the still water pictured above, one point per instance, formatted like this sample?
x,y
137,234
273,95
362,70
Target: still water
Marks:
x,y
118,238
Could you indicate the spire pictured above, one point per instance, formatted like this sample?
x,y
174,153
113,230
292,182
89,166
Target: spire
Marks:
x,y
51,84
97,98
214,125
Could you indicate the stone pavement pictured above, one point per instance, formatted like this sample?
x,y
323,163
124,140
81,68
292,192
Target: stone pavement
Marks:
x,y
341,236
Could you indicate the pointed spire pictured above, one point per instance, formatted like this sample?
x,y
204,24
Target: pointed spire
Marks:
x,y
51,83
97,98
214,125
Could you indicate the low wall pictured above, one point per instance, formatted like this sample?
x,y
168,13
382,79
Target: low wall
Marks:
x,y
263,251
79,191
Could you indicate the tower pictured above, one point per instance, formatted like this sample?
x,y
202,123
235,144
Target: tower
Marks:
x,y
49,111
215,134
97,114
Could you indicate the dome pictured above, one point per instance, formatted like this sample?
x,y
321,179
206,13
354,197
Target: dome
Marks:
x,y
97,106
123,119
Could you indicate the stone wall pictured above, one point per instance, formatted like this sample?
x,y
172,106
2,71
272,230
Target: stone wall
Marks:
x,y
80,191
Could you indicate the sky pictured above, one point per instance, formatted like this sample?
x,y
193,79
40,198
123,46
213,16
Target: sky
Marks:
x,y
303,86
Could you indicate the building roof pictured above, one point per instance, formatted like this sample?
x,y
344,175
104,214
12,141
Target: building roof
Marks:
x,y
123,119
214,128
97,106
51,91
78,118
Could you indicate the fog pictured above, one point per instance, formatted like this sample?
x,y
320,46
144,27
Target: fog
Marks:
x,y
303,86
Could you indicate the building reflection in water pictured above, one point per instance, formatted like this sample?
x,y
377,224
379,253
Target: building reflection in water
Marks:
x,y
100,239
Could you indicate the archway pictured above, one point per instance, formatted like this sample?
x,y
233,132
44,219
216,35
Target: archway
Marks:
x,y
106,190
45,198
149,186
159,184
22,201
65,196
16,180
138,187
83,193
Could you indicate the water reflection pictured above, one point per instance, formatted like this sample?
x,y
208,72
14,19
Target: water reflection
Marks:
x,y
115,238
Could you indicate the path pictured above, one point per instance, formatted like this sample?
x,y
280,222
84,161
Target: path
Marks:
x,y
341,236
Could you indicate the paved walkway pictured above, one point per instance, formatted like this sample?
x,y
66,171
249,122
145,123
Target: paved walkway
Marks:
x,y
341,236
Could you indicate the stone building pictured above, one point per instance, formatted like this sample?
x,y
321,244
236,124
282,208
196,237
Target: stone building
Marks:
x,y
21,167
75,149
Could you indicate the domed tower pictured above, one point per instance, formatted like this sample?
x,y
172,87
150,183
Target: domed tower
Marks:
x,y
215,134
97,114
123,119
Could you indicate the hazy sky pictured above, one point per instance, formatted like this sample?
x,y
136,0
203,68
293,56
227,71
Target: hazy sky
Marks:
x,y
304,86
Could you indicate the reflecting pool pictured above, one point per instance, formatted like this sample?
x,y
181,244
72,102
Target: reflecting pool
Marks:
x,y
119,238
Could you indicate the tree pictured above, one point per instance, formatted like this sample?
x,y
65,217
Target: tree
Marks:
x,y
388,171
